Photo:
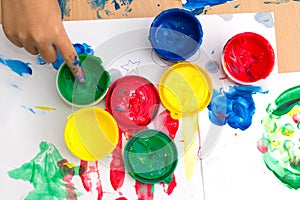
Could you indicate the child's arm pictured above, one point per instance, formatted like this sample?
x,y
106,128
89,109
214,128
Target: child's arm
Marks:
x,y
36,25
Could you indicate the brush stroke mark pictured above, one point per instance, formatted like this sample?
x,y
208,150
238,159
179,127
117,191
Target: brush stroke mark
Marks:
x,y
19,67
144,191
99,6
280,141
29,109
49,173
197,6
235,107
80,49
264,18
65,11
46,108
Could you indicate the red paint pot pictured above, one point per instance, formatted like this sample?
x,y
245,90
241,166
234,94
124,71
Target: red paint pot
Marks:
x,y
248,58
133,101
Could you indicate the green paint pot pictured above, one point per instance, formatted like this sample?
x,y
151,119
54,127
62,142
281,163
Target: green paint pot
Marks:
x,y
89,93
150,157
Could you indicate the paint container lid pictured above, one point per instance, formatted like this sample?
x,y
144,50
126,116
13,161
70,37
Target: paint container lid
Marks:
x,y
248,58
91,133
150,156
133,101
185,89
176,34
89,93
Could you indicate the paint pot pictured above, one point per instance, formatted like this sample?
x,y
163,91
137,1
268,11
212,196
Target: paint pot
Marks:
x,y
150,156
133,101
89,93
185,89
91,133
175,34
248,58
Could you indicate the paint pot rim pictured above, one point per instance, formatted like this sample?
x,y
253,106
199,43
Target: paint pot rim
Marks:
x,y
161,19
177,113
105,74
261,40
172,152
87,155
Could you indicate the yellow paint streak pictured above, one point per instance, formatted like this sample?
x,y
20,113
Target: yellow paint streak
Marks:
x,y
45,108
189,132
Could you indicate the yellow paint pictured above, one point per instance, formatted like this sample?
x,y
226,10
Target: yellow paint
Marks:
x,y
91,133
185,89
45,108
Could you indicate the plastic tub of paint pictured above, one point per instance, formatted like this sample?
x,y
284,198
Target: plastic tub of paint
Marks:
x,y
133,101
91,133
248,58
175,34
150,156
185,89
89,93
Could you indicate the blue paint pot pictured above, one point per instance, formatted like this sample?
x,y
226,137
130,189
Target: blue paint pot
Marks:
x,y
175,34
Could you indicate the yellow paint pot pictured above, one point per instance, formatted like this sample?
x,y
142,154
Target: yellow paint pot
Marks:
x,y
91,133
185,89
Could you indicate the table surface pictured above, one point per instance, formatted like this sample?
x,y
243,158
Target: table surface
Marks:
x,y
286,14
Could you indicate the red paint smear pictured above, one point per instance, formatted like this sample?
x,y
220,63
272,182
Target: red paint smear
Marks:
x,y
166,123
248,57
144,191
68,174
117,168
171,186
98,184
121,198
84,176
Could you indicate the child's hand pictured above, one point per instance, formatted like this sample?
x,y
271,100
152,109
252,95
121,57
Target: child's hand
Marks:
x,y
36,25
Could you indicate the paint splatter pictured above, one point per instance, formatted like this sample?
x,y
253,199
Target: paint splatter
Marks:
x,y
19,67
80,49
235,107
168,189
198,6
49,173
264,18
280,141
237,5
65,11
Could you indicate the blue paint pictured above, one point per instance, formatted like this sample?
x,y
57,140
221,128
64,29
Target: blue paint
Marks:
x,y
14,85
276,2
80,49
235,107
265,18
63,8
176,34
117,6
17,66
237,5
29,109
201,4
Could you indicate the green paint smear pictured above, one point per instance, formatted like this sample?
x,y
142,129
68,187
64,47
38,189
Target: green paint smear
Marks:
x,y
44,174
95,86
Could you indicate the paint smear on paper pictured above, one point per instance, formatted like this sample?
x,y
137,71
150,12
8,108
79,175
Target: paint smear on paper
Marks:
x,y
49,173
65,11
281,138
235,107
19,67
197,6
80,49
99,6
144,191
276,2
265,18
45,108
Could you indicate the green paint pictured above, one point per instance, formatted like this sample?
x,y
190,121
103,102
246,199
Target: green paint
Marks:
x,y
44,174
95,86
150,156
282,138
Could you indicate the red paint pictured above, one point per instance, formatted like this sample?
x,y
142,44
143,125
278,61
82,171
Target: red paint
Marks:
x,y
166,123
68,174
144,191
84,176
98,184
296,118
171,186
248,57
262,146
133,101
121,198
117,168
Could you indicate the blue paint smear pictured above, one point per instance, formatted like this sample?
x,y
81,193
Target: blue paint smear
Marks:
x,y
235,107
99,5
264,18
29,109
80,49
17,66
276,2
63,8
201,4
